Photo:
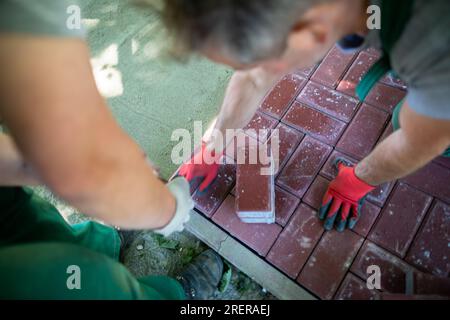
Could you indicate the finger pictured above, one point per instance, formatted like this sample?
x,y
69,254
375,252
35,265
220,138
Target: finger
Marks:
x,y
340,162
182,171
355,210
326,203
332,214
189,174
207,181
343,216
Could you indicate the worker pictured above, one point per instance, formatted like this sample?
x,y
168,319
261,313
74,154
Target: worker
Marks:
x,y
263,40
61,134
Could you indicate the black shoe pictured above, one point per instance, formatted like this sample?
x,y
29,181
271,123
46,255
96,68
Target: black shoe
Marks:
x,y
201,277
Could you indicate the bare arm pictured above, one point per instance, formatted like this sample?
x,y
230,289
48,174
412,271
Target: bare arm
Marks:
x,y
64,130
14,171
243,96
419,140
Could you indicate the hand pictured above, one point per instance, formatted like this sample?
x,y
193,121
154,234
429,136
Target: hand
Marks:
x,y
344,197
179,188
204,164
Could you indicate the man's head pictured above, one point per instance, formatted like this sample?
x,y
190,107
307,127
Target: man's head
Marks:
x,y
277,34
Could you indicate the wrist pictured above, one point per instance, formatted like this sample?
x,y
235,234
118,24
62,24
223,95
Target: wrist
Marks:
x,y
362,174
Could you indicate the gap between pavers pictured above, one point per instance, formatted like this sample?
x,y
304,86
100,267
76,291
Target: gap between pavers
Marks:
x,y
245,260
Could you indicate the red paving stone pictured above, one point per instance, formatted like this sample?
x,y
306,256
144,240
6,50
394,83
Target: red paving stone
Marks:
x,y
259,206
332,68
328,101
259,237
385,97
285,204
296,242
431,248
316,192
363,132
303,166
354,75
393,269
289,139
314,123
353,288
404,225
329,262
432,179
393,81
400,219
260,125
281,97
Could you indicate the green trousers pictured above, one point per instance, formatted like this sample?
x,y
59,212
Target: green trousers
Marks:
x,y
396,124
43,257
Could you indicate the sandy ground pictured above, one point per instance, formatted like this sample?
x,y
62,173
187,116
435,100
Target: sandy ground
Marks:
x,y
151,95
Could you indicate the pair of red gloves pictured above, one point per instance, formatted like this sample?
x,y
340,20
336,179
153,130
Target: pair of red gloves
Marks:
x,y
341,205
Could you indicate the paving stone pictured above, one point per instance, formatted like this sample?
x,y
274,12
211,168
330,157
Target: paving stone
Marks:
x,y
210,199
296,242
400,219
329,262
430,250
363,132
282,95
443,161
239,142
259,237
393,269
369,214
303,166
316,192
255,205
385,97
289,139
355,73
285,204
391,80
306,72
332,67
387,132
373,51
428,284
329,101
353,288
381,193
432,179
260,125
314,123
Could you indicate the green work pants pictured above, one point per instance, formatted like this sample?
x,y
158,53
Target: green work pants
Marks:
x,y
43,257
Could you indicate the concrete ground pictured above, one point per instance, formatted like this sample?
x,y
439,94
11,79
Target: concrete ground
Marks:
x,y
151,95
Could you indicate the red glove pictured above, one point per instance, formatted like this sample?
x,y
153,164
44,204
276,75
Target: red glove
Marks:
x,y
204,164
344,197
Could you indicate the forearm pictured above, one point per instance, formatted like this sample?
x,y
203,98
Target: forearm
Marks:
x,y
396,157
243,96
116,185
14,171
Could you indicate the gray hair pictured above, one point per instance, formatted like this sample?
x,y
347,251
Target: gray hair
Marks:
x,y
244,30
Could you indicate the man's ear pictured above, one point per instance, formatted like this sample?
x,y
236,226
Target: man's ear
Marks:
x,y
307,35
